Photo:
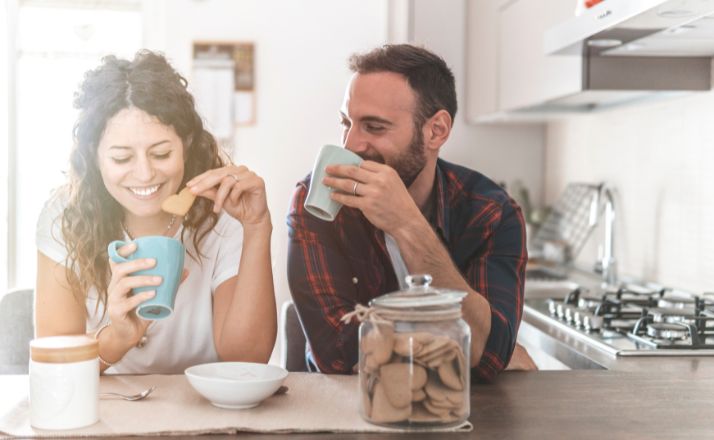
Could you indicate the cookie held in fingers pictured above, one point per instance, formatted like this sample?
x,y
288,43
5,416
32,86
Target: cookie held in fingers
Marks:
x,y
179,204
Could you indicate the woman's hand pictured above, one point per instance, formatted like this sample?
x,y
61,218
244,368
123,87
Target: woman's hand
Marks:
x,y
121,303
235,189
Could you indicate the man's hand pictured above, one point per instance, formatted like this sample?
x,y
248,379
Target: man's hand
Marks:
x,y
377,191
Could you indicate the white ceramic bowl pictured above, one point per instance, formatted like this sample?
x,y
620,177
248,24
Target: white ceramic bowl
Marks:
x,y
235,385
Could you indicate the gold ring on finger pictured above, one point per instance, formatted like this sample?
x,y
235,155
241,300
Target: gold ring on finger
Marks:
x,y
354,189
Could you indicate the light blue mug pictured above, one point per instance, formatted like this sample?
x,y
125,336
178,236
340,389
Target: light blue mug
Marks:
x,y
318,201
169,255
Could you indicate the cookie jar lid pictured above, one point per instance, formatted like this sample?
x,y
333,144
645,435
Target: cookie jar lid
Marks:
x,y
420,294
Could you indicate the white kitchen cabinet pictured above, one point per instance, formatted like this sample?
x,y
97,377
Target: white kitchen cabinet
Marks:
x,y
527,75
507,68
482,52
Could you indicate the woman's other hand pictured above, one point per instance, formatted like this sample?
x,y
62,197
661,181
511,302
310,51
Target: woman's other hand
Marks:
x,y
120,301
235,189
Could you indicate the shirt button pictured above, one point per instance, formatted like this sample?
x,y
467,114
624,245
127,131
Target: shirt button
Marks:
x,y
355,280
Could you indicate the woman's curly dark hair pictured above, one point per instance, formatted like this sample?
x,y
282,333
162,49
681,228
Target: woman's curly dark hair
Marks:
x,y
92,218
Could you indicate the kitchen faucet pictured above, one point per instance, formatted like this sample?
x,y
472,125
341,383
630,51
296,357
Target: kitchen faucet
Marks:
x,y
604,205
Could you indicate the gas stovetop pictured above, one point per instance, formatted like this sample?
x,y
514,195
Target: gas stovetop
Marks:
x,y
635,320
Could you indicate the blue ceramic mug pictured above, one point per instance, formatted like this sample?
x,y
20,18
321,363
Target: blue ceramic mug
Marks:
x,y
169,255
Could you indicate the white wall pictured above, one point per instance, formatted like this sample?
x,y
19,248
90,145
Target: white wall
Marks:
x,y
301,52
660,157
301,72
505,153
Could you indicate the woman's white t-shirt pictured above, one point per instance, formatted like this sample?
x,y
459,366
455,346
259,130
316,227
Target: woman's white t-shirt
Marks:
x,y
186,337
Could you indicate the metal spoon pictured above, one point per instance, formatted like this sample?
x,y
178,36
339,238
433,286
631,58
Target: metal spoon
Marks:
x,y
131,397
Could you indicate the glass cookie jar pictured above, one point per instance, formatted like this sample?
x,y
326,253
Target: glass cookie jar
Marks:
x,y
414,357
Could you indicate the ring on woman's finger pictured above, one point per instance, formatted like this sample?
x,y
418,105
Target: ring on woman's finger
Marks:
x,y
354,189
234,177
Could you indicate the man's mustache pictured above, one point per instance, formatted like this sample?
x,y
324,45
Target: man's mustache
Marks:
x,y
373,157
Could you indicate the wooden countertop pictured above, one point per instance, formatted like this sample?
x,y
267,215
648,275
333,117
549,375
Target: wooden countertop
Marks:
x,y
578,404
590,404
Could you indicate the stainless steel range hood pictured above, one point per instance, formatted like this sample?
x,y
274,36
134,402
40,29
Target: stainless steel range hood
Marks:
x,y
638,28
635,49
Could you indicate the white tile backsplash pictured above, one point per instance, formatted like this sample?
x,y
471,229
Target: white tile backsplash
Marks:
x,y
660,157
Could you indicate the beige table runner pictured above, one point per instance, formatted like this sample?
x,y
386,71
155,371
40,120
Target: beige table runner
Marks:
x,y
314,403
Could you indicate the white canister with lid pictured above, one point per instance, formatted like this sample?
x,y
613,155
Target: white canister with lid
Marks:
x,y
64,382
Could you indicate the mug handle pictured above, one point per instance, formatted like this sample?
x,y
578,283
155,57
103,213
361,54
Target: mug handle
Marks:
x,y
112,250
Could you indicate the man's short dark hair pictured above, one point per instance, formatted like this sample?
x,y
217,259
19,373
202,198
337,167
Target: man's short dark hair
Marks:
x,y
427,74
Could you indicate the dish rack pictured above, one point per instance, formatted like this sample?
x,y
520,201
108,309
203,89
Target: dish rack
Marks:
x,y
568,225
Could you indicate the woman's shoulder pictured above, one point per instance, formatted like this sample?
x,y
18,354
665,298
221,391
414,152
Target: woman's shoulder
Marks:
x,y
55,204
49,239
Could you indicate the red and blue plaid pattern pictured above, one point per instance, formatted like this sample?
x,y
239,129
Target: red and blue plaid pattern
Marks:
x,y
334,265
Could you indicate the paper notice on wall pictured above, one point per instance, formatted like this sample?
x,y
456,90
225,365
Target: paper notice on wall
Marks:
x,y
212,87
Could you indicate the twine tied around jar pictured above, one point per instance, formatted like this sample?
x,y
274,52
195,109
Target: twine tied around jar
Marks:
x,y
382,315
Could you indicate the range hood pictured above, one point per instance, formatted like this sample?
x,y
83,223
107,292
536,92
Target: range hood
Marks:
x,y
638,28
633,50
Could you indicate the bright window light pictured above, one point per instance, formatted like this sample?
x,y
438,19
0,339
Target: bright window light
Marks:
x,y
57,43
4,140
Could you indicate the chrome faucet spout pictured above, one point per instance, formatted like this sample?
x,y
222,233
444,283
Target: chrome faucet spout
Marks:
x,y
608,263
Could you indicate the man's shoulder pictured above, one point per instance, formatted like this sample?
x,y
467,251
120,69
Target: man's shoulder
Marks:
x,y
298,218
303,184
305,181
301,189
464,184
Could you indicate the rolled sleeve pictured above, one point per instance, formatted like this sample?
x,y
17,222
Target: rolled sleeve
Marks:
x,y
498,275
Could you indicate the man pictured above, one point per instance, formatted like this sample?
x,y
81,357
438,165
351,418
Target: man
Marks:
x,y
406,211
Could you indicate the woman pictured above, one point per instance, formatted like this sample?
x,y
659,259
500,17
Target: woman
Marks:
x,y
138,140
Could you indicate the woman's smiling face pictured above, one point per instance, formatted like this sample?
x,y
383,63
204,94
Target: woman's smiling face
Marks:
x,y
141,161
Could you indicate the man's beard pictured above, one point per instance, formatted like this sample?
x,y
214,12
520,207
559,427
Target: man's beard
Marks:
x,y
408,164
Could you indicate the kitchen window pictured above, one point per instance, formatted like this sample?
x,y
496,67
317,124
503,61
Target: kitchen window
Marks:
x,y
54,42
